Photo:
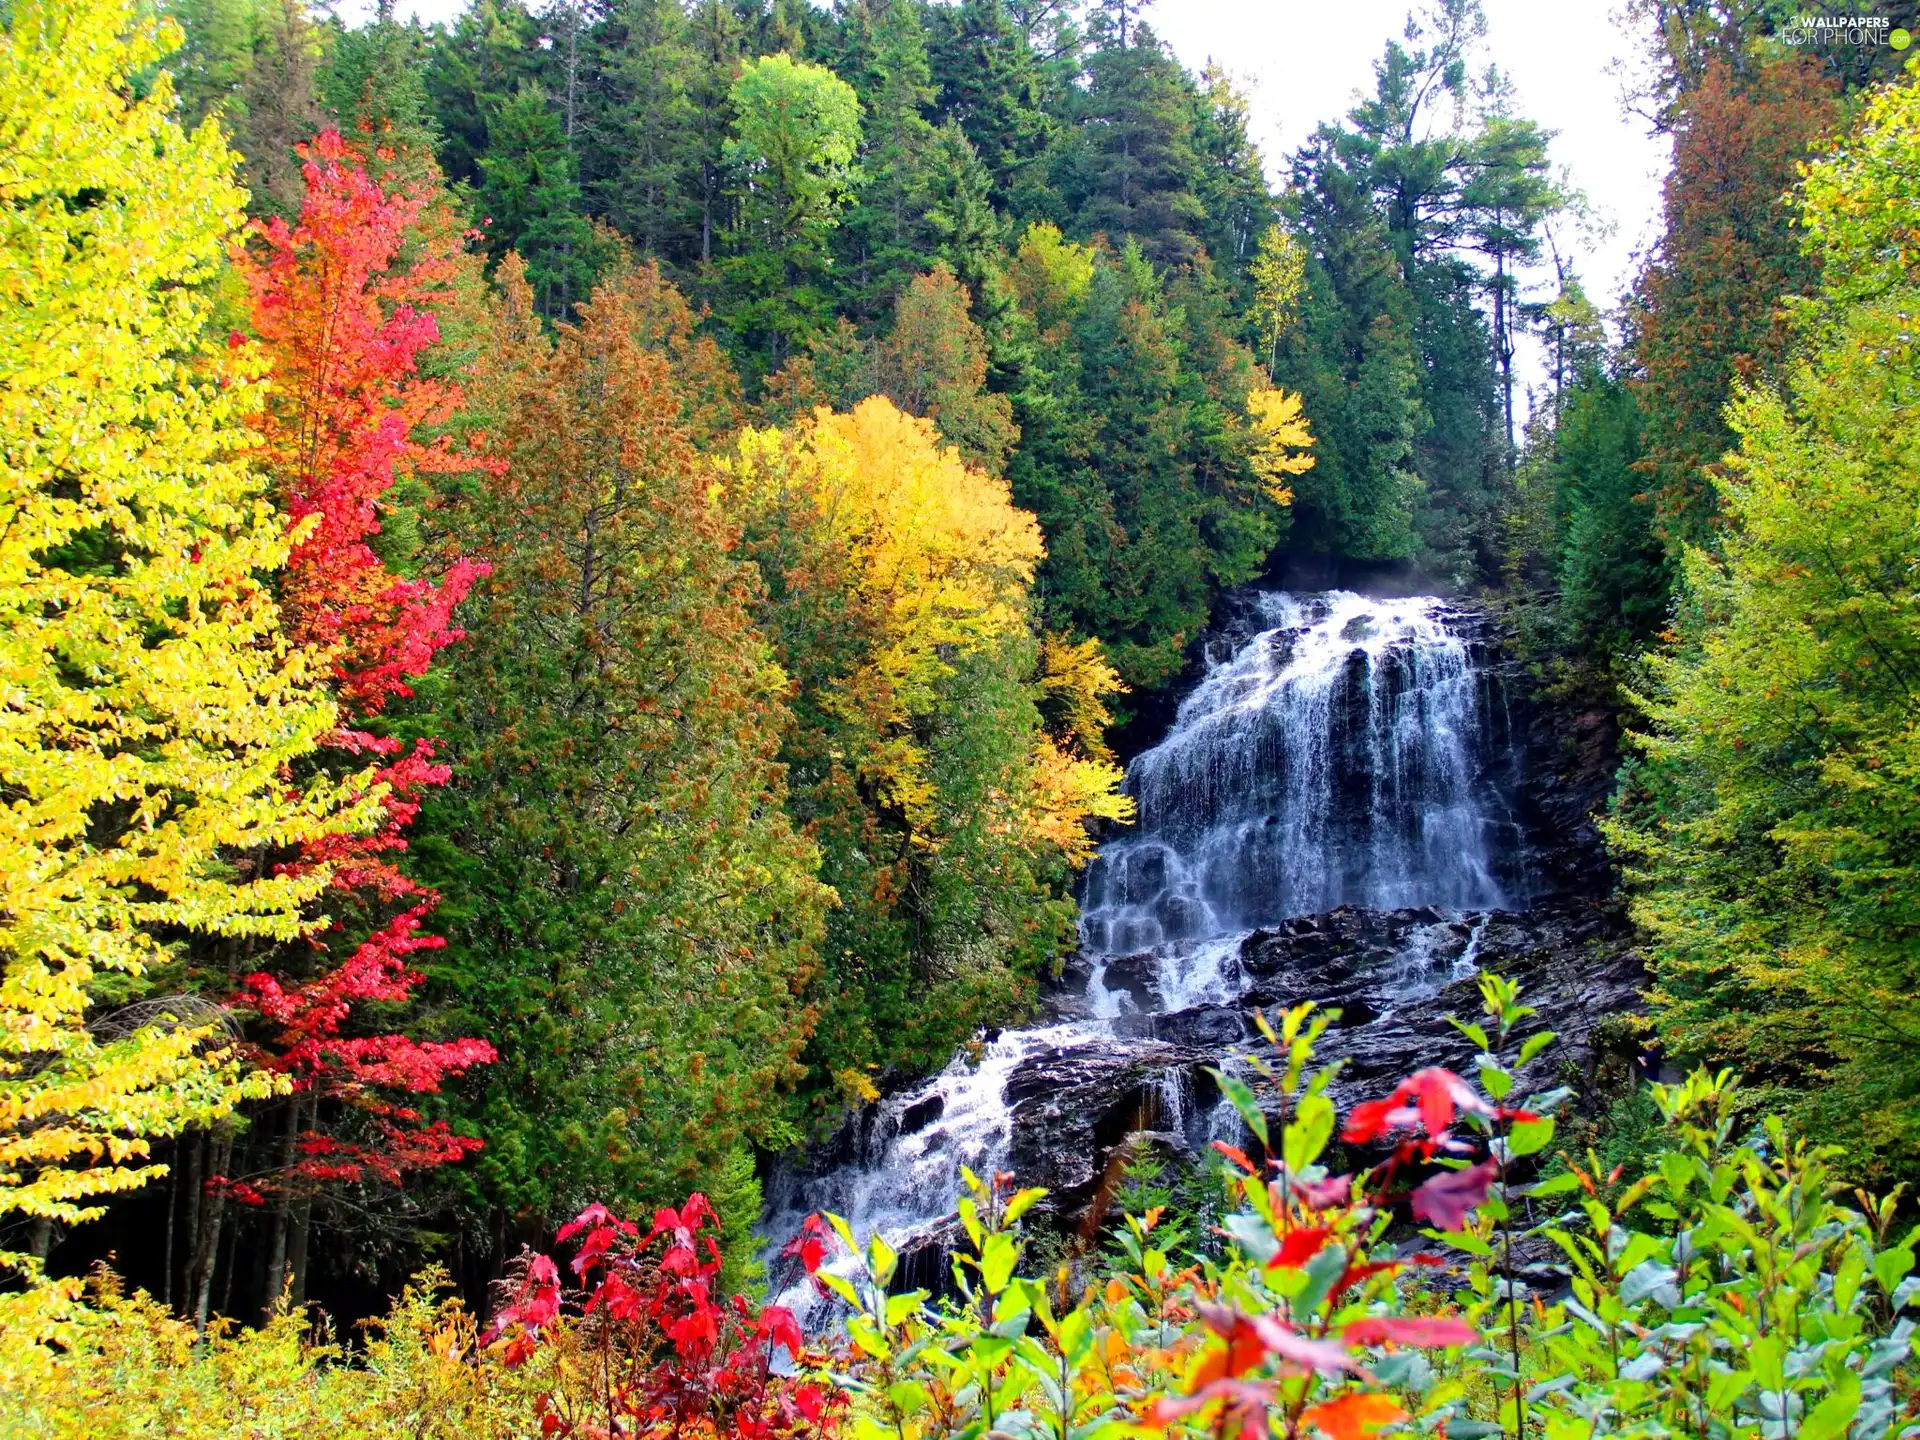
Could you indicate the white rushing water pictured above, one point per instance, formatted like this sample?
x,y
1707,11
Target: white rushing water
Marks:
x,y
1330,760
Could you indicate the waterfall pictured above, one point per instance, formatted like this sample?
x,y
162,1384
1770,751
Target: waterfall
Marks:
x,y
1329,762
1334,758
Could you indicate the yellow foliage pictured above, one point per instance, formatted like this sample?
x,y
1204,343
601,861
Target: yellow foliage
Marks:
x,y
151,707
1281,436
1076,677
942,555
941,561
109,1366
1051,275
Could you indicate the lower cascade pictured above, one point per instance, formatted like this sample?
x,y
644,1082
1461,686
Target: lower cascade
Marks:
x,y
1329,817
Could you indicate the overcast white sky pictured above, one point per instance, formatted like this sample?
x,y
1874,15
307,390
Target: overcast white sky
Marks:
x,y
1302,61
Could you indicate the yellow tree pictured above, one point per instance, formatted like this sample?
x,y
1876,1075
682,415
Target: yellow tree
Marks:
x,y
949,812
149,706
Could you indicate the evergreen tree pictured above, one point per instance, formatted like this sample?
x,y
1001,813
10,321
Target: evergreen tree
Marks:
x,y
1231,182
639,154
1706,308
472,70
991,84
530,204
373,85
1353,359
1130,169
629,914
882,237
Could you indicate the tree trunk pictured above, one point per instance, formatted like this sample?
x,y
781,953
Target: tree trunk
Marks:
x,y
297,1248
196,1167
282,1212
206,1254
166,1249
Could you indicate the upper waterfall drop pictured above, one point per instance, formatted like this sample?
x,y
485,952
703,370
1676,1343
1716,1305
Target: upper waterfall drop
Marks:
x,y
1333,759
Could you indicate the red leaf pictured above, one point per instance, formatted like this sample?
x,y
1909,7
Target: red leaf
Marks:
x,y
1422,1330
1359,1274
1235,1154
1446,1199
778,1327
1298,1247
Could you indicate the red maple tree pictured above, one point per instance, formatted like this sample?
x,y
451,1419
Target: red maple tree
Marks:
x,y
343,301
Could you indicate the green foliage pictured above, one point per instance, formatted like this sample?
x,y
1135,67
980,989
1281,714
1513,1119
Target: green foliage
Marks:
x,y
1770,826
1726,1292
796,129
1135,454
529,200
1613,573
630,913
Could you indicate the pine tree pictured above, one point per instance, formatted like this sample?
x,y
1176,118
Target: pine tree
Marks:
x,y
1131,168
990,83
883,235
530,203
471,71
373,86
640,161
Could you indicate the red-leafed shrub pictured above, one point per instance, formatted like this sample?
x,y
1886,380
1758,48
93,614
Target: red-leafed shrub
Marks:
x,y
649,1344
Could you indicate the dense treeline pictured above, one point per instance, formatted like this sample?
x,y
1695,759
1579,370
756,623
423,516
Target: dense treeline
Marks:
x,y
574,631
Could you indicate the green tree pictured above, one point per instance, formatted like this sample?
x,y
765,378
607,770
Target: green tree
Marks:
x,y
629,914
639,153
529,201
1130,168
1135,453
992,85
373,84
1612,571
795,132
1771,827
471,70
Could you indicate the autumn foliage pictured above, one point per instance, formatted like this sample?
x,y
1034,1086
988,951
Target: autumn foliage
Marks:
x,y
658,1349
343,304
154,709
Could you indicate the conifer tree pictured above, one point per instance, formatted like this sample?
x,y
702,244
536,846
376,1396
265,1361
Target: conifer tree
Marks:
x,y
530,202
1707,307
630,916
1131,167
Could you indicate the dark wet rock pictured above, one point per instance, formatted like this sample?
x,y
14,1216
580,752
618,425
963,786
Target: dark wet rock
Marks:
x,y
1073,1108
918,1117
1137,977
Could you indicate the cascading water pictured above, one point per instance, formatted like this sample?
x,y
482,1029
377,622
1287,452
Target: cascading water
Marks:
x,y
1332,759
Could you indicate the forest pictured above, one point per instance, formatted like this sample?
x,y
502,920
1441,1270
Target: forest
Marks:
x,y
577,584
